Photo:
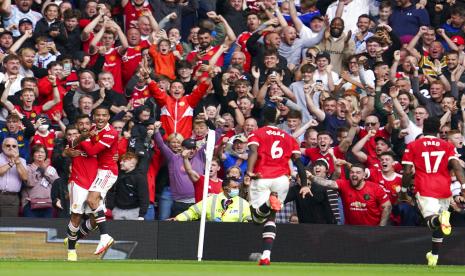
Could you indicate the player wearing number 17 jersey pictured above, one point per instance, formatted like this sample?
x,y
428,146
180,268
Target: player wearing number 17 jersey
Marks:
x,y
432,158
270,150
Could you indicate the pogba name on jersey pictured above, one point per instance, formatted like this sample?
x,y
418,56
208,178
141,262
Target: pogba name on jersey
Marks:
x,y
275,133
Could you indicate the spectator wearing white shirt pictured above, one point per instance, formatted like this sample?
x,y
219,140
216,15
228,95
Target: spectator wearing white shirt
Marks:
x,y
324,74
362,34
349,11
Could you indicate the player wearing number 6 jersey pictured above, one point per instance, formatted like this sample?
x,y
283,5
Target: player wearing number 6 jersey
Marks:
x,y
268,175
432,157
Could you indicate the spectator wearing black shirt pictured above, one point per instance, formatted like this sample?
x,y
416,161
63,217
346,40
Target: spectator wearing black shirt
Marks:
x,y
129,197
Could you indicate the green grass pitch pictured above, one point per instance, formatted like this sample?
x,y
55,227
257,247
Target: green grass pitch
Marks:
x,y
130,268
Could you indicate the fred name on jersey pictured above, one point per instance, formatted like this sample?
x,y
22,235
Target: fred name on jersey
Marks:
x,y
431,143
275,133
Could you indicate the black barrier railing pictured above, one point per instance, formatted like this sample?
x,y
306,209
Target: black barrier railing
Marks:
x,y
234,241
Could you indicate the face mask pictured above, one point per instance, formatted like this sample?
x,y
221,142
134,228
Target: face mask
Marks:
x,y
43,128
233,193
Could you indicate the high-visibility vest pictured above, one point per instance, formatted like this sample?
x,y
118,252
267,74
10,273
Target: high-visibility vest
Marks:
x,y
237,211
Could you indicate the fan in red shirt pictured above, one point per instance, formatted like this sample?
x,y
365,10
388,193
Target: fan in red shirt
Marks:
x,y
365,202
386,175
428,160
133,10
83,173
372,124
104,144
381,145
206,51
270,150
44,136
215,184
133,55
47,86
324,148
113,56
253,23
27,107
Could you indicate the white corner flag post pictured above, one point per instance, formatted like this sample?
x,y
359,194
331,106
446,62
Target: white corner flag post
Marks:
x,y
209,156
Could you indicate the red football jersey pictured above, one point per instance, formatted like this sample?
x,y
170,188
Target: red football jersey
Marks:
x,y
242,41
431,156
131,14
362,207
48,141
139,96
105,146
214,187
391,185
275,148
371,144
131,60
209,54
83,168
314,154
30,114
113,64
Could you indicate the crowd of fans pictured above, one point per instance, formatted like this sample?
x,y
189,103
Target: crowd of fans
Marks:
x,y
353,81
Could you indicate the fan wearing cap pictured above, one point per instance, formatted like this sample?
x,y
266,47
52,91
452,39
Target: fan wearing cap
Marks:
x,y
14,13
6,41
182,188
234,153
323,206
26,39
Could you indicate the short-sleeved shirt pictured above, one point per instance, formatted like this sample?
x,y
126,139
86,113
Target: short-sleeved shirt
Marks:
x,y
108,137
430,156
214,187
370,146
362,207
314,154
83,169
275,148
392,185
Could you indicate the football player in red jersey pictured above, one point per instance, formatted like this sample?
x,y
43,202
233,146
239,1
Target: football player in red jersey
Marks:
x,y
428,160
83,173
270,150
104,144
365,202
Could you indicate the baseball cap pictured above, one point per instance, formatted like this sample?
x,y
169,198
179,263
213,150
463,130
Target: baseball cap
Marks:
x,y
323,55
189,143
6,32
240,137
323,162
386,141
458,40
319,17
24,20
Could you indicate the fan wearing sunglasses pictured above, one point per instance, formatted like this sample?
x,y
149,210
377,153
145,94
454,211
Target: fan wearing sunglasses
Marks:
x,y
12,173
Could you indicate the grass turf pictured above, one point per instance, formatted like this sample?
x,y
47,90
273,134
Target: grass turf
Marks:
x,y
101,268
